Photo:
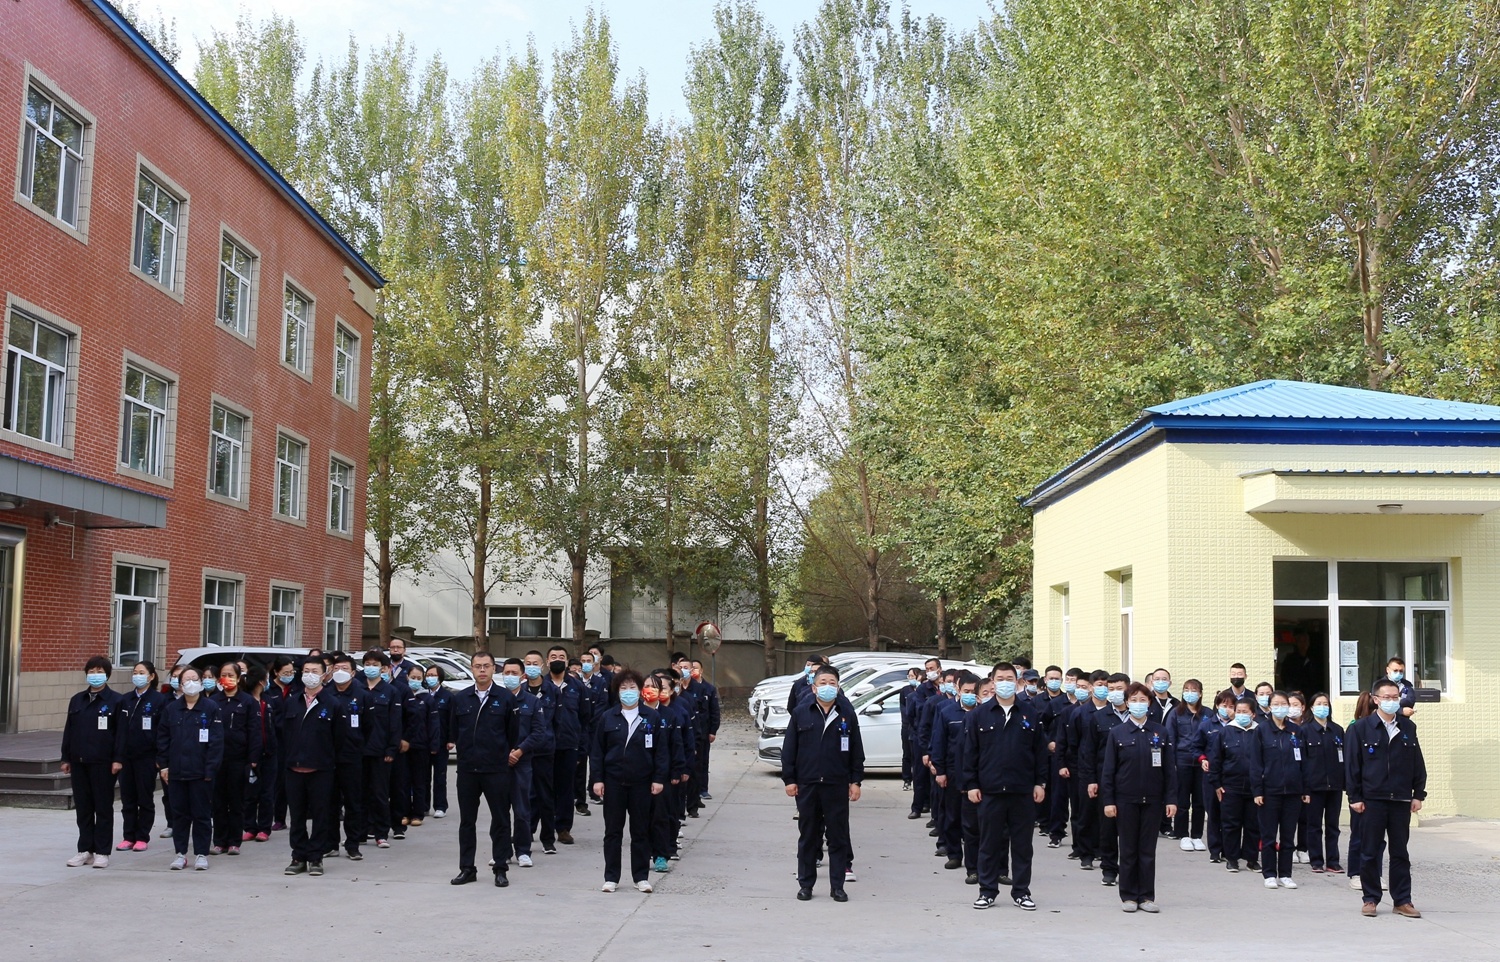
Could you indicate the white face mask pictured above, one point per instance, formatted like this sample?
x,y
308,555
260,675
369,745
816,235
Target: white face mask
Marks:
x,y
310,680
192,687
342,677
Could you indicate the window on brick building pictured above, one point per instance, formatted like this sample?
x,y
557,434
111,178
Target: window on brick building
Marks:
x,y
296,351
135,609
143,431
52,157
286,604
340,496
345,363
335,622
291,461
236,286
229,433
37,358
157,211
221,611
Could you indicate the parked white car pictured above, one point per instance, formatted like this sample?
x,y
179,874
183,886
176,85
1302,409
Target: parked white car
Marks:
x,y
454,663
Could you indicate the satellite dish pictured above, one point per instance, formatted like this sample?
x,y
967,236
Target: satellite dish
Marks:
x,y
709,637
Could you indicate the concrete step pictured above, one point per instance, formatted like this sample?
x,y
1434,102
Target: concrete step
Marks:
x,y
31,766
36,799
35,782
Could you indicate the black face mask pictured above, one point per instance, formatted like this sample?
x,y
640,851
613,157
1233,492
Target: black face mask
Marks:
x,y
558,667
1236,683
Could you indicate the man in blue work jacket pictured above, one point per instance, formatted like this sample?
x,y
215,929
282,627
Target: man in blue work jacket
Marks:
x,y
823,766
1386,778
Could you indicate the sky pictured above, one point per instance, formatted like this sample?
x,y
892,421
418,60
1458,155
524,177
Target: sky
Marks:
x,y
652,36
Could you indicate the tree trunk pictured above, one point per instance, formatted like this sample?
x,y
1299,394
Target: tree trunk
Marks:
x,y
763,584
383,575
671,593
942,624
580,554
872,562
478,586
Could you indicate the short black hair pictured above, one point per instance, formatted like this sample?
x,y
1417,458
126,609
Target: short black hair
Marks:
x,y
1382,684
1021,662
533,652
607,661
1052,668
513,661
968,678
98,663
1098,674
1117,677
679,656
377,656
481,653
826,669
314,661
1239,666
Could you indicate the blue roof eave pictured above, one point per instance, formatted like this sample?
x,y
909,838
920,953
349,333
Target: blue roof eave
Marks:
x,y
127,30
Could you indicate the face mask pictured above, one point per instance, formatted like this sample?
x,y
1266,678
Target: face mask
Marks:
x,y
385,676
1116,697
1160,687
1392,707
932,676
1321,712
1005,689
192,688
175,683
1191,697
651,696
1138,709
1236,683
96,679
309,680
533,672
986,699
1397,675
1263,700
431,681
140,681
1295,714
1101,692
286,679
1279,712
229,685
511,682
1224,713
209,684
968,699
1242,721
827,693
1070,690
687,674
415,684
697,674
629,697
1054,685
371,671
341,677
557,667
1031,689
809,674
588,667
947,688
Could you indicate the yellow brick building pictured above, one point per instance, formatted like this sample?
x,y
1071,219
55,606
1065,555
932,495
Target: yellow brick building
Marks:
x,y
1307,531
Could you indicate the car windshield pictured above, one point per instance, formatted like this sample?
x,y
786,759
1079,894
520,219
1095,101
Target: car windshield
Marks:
x,y
856,677
874,695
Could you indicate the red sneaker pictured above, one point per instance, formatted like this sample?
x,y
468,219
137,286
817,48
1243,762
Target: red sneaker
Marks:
x,y
246,836
262,837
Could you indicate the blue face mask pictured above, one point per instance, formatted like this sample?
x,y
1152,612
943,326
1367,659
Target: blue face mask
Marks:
x,y
687,674
385,676
431,681
1242,720
371,671
1391,707
415,685
1005,689
140,681
1191,697
1321,712
96,679
1263,701
1397,675
968,699
285,679
1116,697
1069,689
1138,709
948,688
533,672
587,667
1280,711
809,674
175,683
511,682
209,684
1101,692
629,697
827,693
1160,686
1224,713
1054,685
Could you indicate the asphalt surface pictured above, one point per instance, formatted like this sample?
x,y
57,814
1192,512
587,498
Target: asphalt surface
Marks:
x,y
732,897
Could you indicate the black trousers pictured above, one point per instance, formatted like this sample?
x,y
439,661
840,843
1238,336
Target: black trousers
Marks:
x,y
1278,824
229,802
580,780
1108,839
418,782
1006,822
1385,824
939,799
951,826
704,745
823,811
544,799
494,787
279,804
663,824
309,799
1322,816
260,798
192,815
440,780
398,791
970,820
1138,823
1213,822
564,765
1190,814
377,796
921,787
94,806
621,802
520,807
349,788
1057,800
908,763
1236,812
138,798
1085,831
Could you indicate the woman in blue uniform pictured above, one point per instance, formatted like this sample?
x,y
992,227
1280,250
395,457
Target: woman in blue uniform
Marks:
x,y
631,764
1276,774
189,750
418,735
93,747
239,714
142,708
1138,782
1323,779
1183,722
1229,777
433,682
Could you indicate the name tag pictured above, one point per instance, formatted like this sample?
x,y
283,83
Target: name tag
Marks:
x,y
146,724
104,723
1156,758
353,721
203,735
1296,754
844,744
649,740
1341,756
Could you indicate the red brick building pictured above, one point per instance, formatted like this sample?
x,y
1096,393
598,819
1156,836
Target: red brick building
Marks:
x,y
184,428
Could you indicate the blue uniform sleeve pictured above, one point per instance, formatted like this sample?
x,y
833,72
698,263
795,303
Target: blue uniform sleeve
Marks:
x,y
937,724
1257,760
969,778
596,753
215,743
789,752
1354,785
1108,772
856,750
255,740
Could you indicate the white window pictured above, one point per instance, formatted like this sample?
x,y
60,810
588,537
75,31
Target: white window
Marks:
x,y
1338,623
143,433
136,600
221,610
290,455
296,316
285,603
1065,600
345,364
236,276
228,433
340,496
335,622
526,622
52,157
1127,620
156,216
36,378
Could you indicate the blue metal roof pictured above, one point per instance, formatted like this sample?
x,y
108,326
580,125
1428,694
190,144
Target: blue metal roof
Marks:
x,y
169,73
1282,412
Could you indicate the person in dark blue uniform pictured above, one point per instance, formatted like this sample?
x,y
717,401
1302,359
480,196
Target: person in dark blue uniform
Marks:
x,y
921,796
1386,778
1059,688
677,735
948,759
260,794
433,680
1005,774
354,700
1229,774
543,792
907,702
803,685
1138,782
823,768
311,727
240,715
708,731
1323,780
418,727
284,682
597,686
533,737
143,708
1208,730
571,718
1090,697
927,716
189,748
1237,678
381,717
1184,722
630,763
1276,758
93,752
1395,671
485,729
1091,753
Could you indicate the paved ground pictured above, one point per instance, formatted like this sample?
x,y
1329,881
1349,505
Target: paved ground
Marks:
x,y
730,898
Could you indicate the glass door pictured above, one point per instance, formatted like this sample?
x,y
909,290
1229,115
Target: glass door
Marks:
x,y
10,649
1429,634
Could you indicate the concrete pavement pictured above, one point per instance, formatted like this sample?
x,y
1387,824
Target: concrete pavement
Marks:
x,y
732,897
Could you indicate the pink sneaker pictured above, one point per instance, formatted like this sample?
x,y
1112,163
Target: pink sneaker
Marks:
x,y
124,846
262,837
139,847
246,836
232,850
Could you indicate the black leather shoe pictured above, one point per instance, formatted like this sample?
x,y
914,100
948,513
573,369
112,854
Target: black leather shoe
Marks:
x,y
464,877
501,881
913,815
804,895
583,810
971,879
839,895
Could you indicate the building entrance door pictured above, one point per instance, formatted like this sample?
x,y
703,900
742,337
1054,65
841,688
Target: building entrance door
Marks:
x,y
10,639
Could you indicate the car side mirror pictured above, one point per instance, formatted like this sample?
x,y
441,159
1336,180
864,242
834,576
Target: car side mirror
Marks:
x,y
875,709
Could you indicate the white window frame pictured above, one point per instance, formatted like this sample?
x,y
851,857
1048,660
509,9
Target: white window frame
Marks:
x,y
62,407
230,612
1125,583
241,484
290,620
346,363
341,497
38,82
248,281
492,618
152,639
338,624
170,281
159,470
298,476
1065,600
301,352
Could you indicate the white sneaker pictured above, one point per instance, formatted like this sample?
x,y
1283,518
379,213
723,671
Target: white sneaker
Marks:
x,y
524,861
492,863
1286,883
849,876
1355,883
179,863
200,863
643,887
81,859
101,861
1270,883
607,887
166,832
1198,845
440,813
1298,858
1186,844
